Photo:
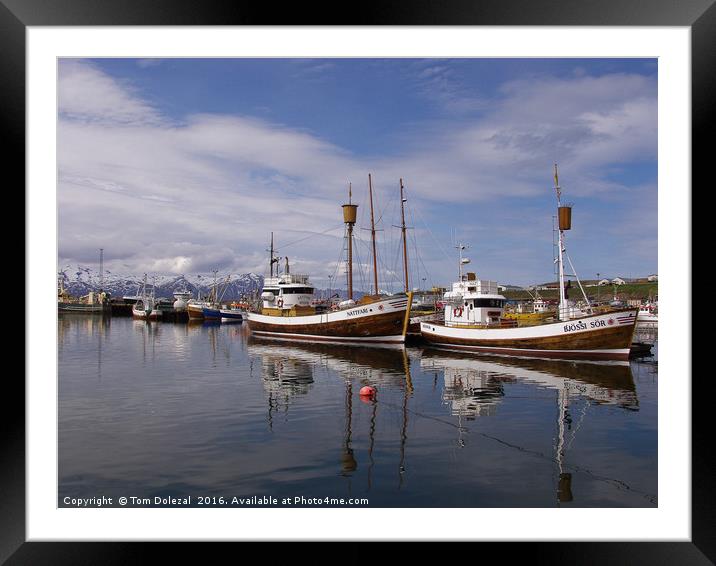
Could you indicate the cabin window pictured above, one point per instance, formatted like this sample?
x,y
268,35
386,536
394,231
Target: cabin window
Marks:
x,y
274,291
470,306
493,303
298,291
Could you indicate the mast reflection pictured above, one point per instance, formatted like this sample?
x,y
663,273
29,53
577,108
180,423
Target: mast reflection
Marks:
x,y
474,386
289,363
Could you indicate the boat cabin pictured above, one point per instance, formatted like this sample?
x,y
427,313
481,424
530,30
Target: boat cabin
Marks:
x,y
473,302
288,292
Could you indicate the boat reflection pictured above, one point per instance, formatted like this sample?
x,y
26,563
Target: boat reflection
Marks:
x,y
287,368
370,365
474,383
474,386
82,324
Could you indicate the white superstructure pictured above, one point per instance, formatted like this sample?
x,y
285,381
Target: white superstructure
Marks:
x,y
473,301
287,291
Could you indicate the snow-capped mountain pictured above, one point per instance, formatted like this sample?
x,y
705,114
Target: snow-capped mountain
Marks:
x,y
81,280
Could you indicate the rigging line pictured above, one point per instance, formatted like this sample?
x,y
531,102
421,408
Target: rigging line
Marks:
x,y
418,260
311,235
428,275
334,276
360,262
448,256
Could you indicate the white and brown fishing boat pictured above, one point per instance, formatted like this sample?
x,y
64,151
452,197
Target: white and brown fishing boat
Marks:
x,y
145,307
287,310
474,309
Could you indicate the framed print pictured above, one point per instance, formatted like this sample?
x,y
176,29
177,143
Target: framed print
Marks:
x,y
181,173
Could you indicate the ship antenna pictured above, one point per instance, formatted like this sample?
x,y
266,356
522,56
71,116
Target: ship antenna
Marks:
x,y
271,255
556,186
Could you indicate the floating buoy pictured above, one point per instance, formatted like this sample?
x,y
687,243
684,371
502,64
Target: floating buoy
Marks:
x,y
367,391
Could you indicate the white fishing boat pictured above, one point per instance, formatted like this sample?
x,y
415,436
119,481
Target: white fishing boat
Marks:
x,y
474,311
287,303
647,313
144,306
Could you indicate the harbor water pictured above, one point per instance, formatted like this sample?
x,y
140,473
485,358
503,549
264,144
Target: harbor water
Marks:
x,y
206,414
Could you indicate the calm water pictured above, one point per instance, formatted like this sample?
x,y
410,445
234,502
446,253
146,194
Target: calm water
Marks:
x,y
174,410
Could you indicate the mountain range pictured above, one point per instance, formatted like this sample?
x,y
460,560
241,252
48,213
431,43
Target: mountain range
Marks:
x,y
81,280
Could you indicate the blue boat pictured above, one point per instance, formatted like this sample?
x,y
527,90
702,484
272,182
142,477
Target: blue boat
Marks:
x,y
211,312
232,314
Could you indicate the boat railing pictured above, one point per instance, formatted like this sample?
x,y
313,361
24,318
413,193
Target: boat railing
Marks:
x,y
300,279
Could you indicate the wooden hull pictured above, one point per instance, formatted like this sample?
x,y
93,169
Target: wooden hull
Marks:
x,y
599,337
380,322
196,312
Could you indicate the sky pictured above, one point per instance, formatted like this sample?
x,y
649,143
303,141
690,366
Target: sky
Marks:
x,y
185,166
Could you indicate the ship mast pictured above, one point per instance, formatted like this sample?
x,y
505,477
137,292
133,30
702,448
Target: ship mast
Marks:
x,y
272,259
372,234
405,245
349,217
563,307
462,260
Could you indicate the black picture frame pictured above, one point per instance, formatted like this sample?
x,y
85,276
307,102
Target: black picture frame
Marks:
x,y
17,15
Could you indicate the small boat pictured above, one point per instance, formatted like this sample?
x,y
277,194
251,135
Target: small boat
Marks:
x,y
144,307
541,311
232,313
207,309
195,310
647,313
474,319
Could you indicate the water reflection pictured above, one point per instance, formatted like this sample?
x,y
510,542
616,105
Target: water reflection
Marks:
x,y
647,333
474,388
474,383
73,325
219,410
287,367
369,365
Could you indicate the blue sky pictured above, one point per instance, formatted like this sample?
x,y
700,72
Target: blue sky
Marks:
x,y
198,160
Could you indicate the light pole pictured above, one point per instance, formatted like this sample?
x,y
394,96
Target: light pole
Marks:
x,y
330,286
598,288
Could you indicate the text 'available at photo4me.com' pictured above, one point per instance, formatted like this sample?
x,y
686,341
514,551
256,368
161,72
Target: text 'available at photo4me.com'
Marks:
x,y
212,501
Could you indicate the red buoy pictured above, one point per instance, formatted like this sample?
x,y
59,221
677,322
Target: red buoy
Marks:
x,y
367,391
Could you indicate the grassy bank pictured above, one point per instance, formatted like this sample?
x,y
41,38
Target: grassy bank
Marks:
x,y
624,292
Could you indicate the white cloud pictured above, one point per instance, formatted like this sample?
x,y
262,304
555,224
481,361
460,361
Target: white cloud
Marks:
x,y
168,197
86,93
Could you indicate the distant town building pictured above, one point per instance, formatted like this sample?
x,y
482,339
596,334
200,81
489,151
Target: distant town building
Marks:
x,y
617,281
603,282
652,278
